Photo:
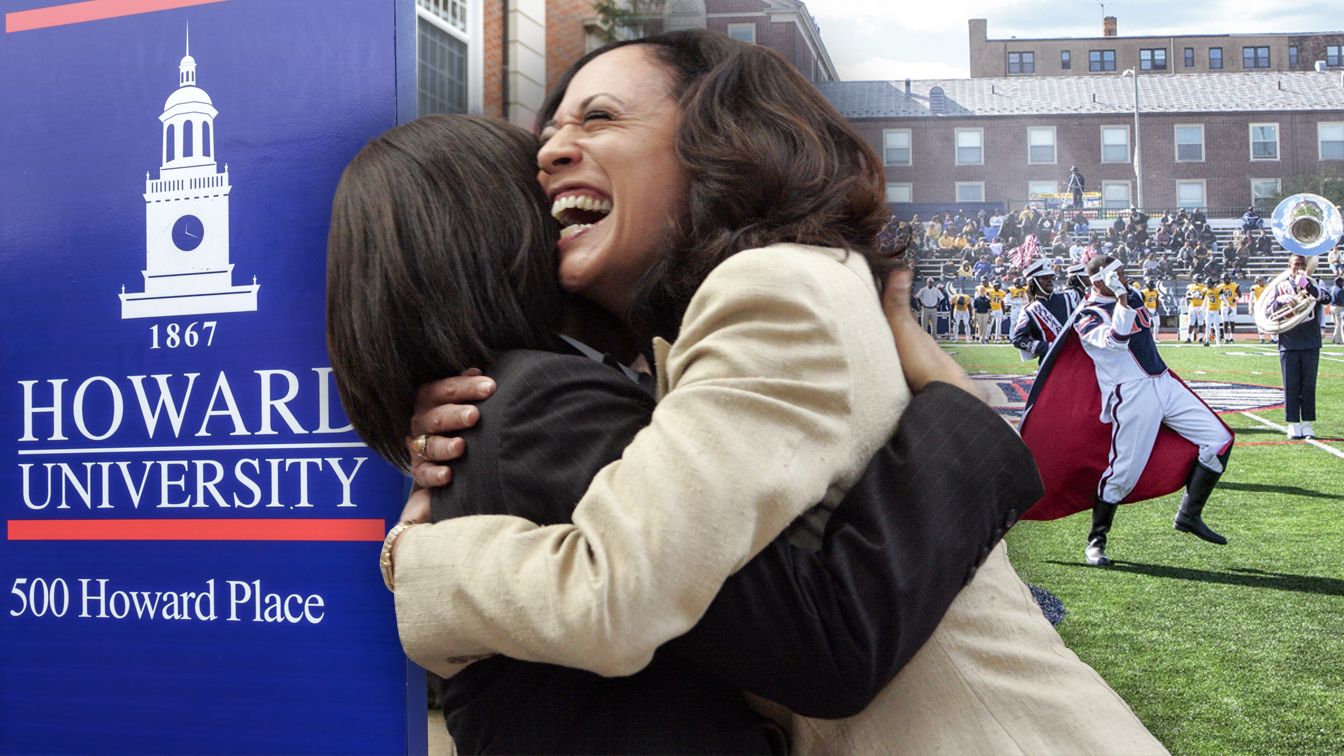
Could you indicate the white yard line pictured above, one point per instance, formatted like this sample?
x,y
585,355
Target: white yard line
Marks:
x,y
1284,429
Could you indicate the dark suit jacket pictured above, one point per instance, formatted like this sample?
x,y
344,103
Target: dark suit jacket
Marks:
x,y
821,632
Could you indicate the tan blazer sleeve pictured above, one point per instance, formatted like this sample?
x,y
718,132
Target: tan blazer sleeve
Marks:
x,y
763,417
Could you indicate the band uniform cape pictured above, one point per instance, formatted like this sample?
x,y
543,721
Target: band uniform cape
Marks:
x,y
1062,426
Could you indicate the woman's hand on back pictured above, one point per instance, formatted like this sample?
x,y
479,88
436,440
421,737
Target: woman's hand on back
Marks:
x,y
440,409
922,360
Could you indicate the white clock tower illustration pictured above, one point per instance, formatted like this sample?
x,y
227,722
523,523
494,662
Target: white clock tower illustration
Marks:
x,y
187,269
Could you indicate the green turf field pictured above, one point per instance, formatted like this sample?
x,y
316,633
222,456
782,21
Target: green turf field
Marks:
x,y
1235,649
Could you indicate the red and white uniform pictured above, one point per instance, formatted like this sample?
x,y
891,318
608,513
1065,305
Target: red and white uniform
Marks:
x,y
1139,394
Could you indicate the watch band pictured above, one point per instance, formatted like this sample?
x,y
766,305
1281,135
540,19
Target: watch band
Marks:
x,y
385,558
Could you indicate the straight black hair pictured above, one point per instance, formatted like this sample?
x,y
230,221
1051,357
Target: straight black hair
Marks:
x,y
440,256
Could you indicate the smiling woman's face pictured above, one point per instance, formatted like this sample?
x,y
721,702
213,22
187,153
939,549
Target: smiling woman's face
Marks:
x,y
609,165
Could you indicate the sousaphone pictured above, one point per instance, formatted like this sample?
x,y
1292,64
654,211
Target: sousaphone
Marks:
x,y
1304,224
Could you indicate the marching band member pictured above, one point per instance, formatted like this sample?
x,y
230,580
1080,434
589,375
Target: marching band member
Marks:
x,y
1042,320
1079,285
1139,397
1300,348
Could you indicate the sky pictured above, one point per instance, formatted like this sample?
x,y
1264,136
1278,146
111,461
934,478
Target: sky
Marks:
x,y
898,39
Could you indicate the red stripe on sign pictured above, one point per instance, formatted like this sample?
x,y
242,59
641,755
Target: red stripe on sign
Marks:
x,y
93,10
196,530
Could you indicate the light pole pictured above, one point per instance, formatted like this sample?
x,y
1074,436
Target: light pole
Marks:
x,y
1138,165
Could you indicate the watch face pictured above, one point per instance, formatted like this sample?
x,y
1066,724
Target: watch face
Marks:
x,y
188,232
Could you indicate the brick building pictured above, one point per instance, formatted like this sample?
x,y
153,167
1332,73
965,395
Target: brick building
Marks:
x,y
1206,140
1110,53
501,57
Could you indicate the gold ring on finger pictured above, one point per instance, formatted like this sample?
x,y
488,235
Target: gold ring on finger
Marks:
x,y
420,444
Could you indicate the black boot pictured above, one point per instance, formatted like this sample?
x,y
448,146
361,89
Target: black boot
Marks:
x,y
1197,490
1103,514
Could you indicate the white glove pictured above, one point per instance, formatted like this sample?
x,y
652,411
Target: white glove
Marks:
x,y
1302,281
1112,281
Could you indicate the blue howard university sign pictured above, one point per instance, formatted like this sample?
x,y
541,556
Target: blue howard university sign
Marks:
x,y
191,525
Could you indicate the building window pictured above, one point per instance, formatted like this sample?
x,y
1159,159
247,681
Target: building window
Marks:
x,y
1255,57
1153,60
1115,194
1334,55
970,191
1189,144
441,57
205,138
186,139
1330,138
1115,144
1215,58
1021,62
169,145
1101,60
1264,192
1041,145
1065,60
1039,188
1264,141
451,12
899,193
1189,57
1292,55
1190,194
743,32
896,147
970,147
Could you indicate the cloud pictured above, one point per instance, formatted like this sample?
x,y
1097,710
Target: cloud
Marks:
x,y
942,17
884,69
1057,18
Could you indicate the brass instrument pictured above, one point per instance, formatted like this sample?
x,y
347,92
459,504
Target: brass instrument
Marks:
x,y
1304,224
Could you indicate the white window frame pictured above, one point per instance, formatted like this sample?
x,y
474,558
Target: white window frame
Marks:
x,y
474,38
897,186
1278,188
1022,62
1128,152
1203,193
1152,59
1054,145
956,145
1042,187
1250,136
1176,143
909,149
968,184
1129,194
740,28
1320,142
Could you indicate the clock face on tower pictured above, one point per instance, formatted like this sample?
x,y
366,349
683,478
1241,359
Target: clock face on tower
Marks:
x,y
188,231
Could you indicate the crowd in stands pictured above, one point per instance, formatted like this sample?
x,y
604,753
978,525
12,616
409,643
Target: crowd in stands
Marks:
x,y
1181,243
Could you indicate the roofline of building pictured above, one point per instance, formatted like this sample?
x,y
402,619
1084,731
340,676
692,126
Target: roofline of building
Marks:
x,y
1160,36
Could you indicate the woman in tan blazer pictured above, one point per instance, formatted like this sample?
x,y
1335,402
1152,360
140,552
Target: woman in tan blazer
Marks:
x,y
702,205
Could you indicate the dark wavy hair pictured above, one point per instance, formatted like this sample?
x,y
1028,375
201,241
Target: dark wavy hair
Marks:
x,y
769,161
439,257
